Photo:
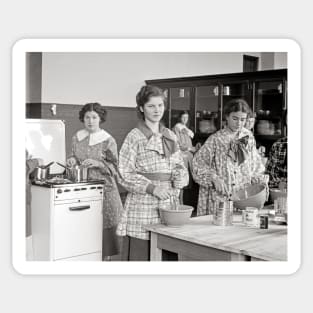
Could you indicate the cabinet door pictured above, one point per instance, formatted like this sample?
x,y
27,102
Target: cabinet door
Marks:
x,y
179,101
207,117
236,90
77,229
269,106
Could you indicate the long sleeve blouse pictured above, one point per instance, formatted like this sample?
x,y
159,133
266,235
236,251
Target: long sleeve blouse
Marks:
x,y
143,153
276,165
213,161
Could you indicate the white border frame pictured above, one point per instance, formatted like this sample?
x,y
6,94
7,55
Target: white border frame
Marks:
x,y
156,45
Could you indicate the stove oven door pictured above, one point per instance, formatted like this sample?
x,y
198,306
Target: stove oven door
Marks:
x,y
77,229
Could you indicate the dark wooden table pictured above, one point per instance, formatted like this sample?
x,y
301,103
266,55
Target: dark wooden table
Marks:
x,y
200,240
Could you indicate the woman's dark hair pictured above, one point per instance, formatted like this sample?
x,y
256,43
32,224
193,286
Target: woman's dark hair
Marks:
x,y
251,115
181,114
236,105
144,95
94,106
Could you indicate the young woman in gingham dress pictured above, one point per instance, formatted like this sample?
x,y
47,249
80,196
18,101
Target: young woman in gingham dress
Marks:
x,y
152,170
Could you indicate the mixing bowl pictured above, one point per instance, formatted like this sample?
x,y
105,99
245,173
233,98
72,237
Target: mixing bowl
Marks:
x,y
251,196
176,217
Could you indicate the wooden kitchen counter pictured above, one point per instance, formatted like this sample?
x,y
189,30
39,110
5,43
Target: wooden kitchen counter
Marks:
x,y
200,240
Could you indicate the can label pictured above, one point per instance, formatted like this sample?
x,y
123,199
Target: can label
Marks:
x,y
263,221
251,217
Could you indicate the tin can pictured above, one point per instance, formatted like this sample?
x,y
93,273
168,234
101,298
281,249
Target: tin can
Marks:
x,y
223,213
251,217
264,221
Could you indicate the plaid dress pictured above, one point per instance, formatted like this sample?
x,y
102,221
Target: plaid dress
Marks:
x,y
213,160
143,152
276,165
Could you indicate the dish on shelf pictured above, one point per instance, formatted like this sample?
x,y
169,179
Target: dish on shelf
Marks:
x,y
207,126
265,127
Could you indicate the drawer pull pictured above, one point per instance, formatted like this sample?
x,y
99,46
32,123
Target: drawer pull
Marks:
x,y
79,208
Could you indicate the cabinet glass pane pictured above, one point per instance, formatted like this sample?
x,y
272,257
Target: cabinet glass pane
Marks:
x,y
166,115
179,102
269,103
207,113
235,91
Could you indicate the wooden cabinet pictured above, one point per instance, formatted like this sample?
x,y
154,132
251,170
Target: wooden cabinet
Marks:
x,y
205,96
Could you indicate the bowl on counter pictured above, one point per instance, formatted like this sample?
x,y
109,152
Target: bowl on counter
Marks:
x,y
251,196
177,217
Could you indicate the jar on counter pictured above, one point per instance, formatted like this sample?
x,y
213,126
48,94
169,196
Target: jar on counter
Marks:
x,y
251,217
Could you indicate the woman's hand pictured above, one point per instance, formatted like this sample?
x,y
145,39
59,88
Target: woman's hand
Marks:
x,y
161,192
91,163
197,147
71,161
220,186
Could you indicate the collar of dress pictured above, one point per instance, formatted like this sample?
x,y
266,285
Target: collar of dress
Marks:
x,y
244,132
94,138
181,126
168,139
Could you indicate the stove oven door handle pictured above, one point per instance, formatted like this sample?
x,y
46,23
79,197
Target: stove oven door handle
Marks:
x,y
79,208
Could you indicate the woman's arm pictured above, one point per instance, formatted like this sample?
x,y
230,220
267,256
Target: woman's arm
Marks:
x,y
182,145
109,158
275,166
257,166
32,164
180,175
203,169
130,179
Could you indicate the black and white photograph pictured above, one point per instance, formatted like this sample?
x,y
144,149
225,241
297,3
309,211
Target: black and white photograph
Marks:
x,y
165,158
156,156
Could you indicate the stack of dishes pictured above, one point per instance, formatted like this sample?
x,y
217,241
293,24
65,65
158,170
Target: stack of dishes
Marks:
x,y
265,127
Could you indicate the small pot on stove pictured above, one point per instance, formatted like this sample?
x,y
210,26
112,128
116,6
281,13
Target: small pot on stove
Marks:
x,y
42,172
77,173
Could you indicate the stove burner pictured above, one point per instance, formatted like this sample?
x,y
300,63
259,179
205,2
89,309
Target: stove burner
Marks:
x,y
62,182
58,180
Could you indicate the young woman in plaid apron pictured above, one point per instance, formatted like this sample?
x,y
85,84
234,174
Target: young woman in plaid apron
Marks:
x,y
153,172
